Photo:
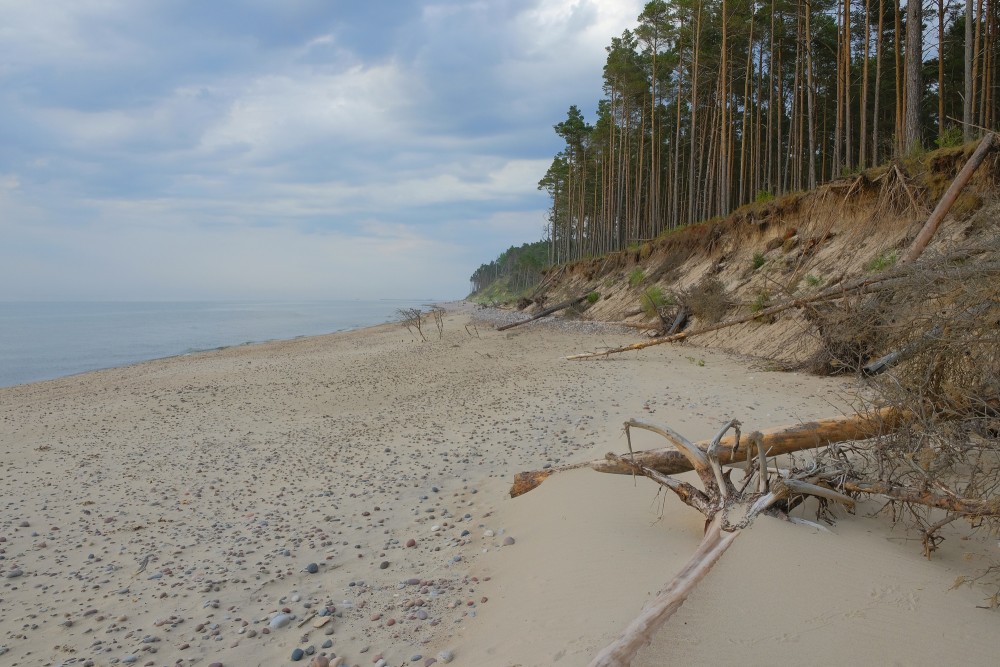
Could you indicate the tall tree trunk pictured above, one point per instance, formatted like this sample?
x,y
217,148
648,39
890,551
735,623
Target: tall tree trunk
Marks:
x,y
914,88
940,71
723,179
810,94
863,130
848,132
838,128
967,133
692,177
876,118
898,142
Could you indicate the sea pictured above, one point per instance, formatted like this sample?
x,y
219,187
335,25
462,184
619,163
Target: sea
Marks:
x,y
47,340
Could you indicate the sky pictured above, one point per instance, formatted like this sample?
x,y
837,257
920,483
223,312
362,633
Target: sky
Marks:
x,y
281,149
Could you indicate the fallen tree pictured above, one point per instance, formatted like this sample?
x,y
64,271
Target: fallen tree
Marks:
x,y
547,311
948,199
780,440
765,489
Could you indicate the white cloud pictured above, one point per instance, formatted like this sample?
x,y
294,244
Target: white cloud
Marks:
x,y
156,157
282,112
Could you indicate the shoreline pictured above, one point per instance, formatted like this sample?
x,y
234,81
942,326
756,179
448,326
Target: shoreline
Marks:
x,y
211,347
174,509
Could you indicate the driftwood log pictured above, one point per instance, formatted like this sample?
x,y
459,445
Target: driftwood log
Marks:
x,y
775,441
547,311
729,510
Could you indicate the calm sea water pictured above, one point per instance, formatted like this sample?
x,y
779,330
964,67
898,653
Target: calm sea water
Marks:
x,y
42,341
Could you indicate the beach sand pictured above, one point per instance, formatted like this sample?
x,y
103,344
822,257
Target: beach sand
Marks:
x,y
233,506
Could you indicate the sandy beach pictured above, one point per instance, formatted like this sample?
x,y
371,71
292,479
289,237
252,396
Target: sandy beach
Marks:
x,y
346,495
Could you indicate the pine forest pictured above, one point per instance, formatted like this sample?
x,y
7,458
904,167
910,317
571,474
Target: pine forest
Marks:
x,y
711,104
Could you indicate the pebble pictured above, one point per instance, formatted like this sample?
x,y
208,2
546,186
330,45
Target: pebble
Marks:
x,y
327,644
320,661
321,621
507,541
15,573
312,568
297,654
446,656
279,621
215,664
411,542
383,565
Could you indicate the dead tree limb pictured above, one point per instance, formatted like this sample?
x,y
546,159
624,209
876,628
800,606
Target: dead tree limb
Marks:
x,y
976,507
775,441
547,311
728,511
950,195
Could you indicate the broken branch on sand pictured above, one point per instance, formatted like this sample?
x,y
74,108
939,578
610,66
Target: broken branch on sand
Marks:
x,y
775,441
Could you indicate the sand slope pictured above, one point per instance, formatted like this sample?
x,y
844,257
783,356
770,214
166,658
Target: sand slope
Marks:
x,y
174,508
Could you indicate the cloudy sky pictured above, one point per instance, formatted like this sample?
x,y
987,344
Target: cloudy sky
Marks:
x,y
196,149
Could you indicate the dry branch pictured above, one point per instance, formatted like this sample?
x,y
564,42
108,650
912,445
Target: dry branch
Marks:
x,y
547,311
775,441
977,507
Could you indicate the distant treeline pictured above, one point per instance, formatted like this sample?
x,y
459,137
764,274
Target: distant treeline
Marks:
x,y
520,268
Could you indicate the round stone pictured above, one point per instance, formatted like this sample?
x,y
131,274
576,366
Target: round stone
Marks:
x,y
297,654
279,621
507,541
312,568
383,565
446,656
411,542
